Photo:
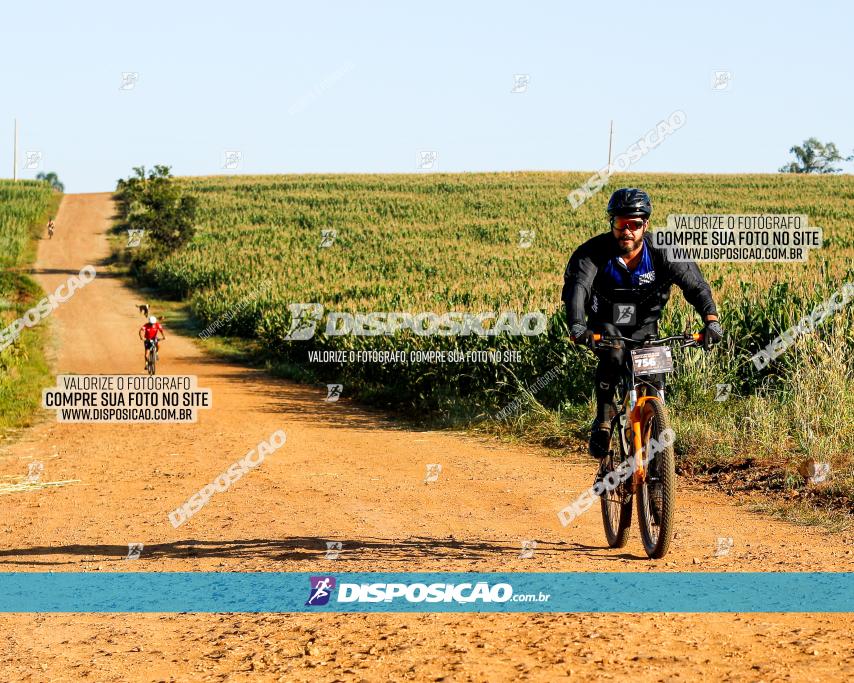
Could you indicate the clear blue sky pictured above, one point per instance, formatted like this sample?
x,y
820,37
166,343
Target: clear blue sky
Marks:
x,y
364,86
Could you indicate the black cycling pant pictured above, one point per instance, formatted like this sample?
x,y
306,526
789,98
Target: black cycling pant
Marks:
x,y
611,363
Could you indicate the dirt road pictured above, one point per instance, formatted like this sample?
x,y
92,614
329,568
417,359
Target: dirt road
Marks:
x,y
351,475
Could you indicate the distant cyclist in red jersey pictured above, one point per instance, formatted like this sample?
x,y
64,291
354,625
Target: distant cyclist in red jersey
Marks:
x,y
148,333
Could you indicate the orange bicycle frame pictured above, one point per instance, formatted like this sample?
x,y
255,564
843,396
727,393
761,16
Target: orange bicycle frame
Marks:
x,y
636,424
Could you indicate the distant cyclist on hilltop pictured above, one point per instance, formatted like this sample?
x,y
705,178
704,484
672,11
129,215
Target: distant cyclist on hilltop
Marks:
x,y
618,283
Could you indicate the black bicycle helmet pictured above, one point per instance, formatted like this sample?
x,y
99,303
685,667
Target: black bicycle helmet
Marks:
x,y
629,201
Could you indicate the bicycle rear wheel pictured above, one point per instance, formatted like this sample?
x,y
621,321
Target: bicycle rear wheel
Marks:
x,y
617,503
657,493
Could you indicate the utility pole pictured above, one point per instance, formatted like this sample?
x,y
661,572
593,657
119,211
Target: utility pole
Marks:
x,y
610,143
15,154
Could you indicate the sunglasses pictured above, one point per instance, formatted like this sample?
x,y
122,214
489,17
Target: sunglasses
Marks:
x,y
631,226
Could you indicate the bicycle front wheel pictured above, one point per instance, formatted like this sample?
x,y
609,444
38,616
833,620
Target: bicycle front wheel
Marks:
x,y
657,492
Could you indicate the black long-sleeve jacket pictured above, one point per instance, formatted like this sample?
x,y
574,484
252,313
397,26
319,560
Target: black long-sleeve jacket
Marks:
x,y
590,289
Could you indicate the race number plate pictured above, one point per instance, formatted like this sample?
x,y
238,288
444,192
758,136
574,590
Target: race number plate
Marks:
x,y
651,360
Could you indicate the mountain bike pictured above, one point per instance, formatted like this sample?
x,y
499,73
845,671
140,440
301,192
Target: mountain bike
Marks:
x,y
640,463
151,359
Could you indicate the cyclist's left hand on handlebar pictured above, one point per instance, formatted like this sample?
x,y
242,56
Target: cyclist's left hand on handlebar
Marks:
x,y
712,334
580,334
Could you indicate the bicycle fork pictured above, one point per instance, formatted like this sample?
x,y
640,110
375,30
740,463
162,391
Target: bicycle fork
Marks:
x,y
635,438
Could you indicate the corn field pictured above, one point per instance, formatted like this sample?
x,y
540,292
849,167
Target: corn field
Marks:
x,y
23,205
452,243
24,210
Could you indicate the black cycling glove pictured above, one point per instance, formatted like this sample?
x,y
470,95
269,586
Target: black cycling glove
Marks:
x,y
579,334
712,334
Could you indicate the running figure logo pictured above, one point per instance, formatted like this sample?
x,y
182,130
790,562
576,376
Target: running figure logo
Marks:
x,y
129,80
321,590
427,160
134,551
528,549
333,392
520,83
723,545
722,392
433,471
624,314
34,472
304,319
134,237
526,238
327,237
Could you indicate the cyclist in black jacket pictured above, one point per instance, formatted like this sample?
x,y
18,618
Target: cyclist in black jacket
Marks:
x,y
619,283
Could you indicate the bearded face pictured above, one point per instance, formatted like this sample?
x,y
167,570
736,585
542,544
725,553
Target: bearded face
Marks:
x,y
629,233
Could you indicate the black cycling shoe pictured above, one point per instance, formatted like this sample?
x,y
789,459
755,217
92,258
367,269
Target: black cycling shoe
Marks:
x,y
600,439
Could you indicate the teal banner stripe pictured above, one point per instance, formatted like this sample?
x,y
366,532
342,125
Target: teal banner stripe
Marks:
x,y
426,592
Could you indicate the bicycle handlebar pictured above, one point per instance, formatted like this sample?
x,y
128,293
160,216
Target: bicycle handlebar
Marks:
x,y
691,339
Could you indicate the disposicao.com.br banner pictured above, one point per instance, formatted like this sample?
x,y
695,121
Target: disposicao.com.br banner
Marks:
x,y
427,592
